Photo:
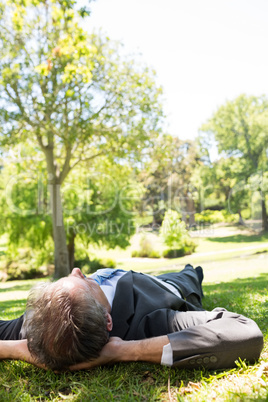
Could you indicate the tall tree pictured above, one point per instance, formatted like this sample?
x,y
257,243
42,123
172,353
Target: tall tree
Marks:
x,y
168,177
72,93
240,128
224,186
96,204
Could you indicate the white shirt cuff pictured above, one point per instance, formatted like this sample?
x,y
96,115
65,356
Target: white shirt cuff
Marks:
x,y
167,355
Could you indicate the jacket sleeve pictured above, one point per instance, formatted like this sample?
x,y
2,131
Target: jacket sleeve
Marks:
x,y
214,340
10,329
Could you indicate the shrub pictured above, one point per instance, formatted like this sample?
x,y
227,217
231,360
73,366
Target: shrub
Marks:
x,y
209,216
24,264
82,262
173,230
151,254
135,253
230,217
93,265
175,253
170,253
16,270
146,249
176,236
154,254
108,263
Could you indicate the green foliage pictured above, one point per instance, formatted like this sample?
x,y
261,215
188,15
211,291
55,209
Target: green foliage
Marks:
x,y
173,229
72,95
103,198
27,227
25,264
169,176
208,216
176,236
72,90
20,270
240,129
88,266
88,263
230,217
97,204
24,208
146,249
187,249
219,178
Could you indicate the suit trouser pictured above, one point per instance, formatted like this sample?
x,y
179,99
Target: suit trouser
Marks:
x,y
187,282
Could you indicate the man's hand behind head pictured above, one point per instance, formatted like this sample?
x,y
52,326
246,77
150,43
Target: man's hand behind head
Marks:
x,y
110,353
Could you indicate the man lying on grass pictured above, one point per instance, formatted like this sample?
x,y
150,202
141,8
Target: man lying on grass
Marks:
x,y
78,323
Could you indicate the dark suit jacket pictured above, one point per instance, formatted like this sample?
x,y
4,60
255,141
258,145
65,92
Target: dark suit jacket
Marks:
x,y
143,308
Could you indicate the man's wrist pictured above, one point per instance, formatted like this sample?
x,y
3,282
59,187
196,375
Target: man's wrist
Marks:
x,y
129,351
123,351
12,350
142,350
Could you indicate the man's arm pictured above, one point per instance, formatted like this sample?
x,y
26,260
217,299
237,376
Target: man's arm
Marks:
x,y
13,350
17,350
117,350
202,339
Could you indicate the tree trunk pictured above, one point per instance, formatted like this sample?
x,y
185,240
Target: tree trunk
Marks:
x,y
60,253
264,214
241,220
190,211
71,250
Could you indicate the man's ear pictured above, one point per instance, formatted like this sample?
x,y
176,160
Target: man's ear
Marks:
x,y
109,324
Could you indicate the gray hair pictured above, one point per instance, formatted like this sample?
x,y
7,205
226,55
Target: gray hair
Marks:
x,y
62,327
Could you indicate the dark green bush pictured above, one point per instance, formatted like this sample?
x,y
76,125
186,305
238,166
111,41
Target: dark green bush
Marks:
x,y
173,253
93,265
142,254
16,270
82,262
25,263
187,249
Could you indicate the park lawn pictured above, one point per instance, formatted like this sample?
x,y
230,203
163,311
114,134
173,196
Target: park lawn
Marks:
x,y
226,254
230,264
215,238
142,381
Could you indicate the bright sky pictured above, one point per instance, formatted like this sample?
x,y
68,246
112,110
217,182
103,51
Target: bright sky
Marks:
x,y
204,51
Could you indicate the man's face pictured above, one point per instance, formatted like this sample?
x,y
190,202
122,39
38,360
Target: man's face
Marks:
x,y
76,282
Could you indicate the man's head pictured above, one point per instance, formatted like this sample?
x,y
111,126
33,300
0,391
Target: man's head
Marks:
x,y
67,322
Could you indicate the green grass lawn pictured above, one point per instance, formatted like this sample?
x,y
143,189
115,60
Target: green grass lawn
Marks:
x,y
226,253
237,281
